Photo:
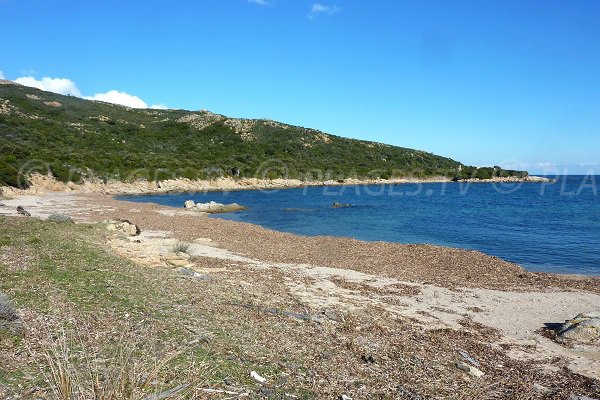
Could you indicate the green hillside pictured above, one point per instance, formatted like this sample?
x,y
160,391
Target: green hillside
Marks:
x,y
78,139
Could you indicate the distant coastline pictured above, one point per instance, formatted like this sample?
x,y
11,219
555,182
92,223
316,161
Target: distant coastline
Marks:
x,y
43,184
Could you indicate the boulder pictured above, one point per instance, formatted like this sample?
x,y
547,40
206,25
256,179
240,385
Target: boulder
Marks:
x,y
193,274
124,226
23,211
584,328
476,372
333,315
189,204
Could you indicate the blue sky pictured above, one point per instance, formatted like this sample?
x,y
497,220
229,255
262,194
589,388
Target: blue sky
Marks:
x,y
484,82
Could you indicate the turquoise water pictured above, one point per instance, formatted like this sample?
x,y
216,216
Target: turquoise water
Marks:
x,y
543,227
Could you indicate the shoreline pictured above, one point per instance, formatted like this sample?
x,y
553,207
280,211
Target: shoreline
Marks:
x,y
44,184
218,215
80,201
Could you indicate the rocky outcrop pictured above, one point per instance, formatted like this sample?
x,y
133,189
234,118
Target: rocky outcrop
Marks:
x,y
23,211
584,328
508,179
201,120
177,260
123,226
242,126
41,184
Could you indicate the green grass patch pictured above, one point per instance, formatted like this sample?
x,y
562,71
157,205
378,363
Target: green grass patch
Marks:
x,y
85,307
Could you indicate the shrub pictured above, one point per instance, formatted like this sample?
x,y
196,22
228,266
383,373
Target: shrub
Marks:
x,y
61,218
9,319
7,311
82,375
180,247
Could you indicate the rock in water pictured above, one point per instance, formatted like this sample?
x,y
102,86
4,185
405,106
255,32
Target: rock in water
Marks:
x,y
341,205
584,328
215,208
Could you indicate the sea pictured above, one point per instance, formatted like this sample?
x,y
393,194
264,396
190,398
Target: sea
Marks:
x,y
549,227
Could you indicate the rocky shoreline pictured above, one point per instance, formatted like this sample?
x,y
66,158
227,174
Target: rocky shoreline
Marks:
x,y
44,184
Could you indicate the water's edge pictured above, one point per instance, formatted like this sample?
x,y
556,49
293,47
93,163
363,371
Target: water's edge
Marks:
x,y
542,227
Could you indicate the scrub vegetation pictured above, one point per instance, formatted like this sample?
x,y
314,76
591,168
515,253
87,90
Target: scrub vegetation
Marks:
x,y
74,139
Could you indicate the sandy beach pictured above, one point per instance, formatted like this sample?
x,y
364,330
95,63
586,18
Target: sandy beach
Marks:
x,y
433,289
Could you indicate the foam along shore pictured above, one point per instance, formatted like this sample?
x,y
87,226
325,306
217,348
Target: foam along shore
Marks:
x,y
43,184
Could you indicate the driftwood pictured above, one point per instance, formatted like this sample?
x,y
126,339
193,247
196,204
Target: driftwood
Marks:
x,y
469,358
226,392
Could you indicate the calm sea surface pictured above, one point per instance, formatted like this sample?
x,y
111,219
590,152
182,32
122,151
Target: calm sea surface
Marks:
x,y
543,227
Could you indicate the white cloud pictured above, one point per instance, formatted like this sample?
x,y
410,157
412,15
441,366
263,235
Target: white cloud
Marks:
x,y
589,164
56,85
68,87
122,98
2,75
318,8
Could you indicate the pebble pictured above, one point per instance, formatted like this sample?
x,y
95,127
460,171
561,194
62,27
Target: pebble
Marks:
x,y
333,316
254,375
470,369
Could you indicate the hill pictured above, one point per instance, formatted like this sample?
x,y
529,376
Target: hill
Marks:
x,y
76,139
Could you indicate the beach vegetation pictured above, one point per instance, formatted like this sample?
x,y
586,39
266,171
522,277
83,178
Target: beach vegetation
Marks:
x,y
180,247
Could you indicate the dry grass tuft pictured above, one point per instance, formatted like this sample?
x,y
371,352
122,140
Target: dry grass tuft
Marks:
x,y
78,373
180,247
